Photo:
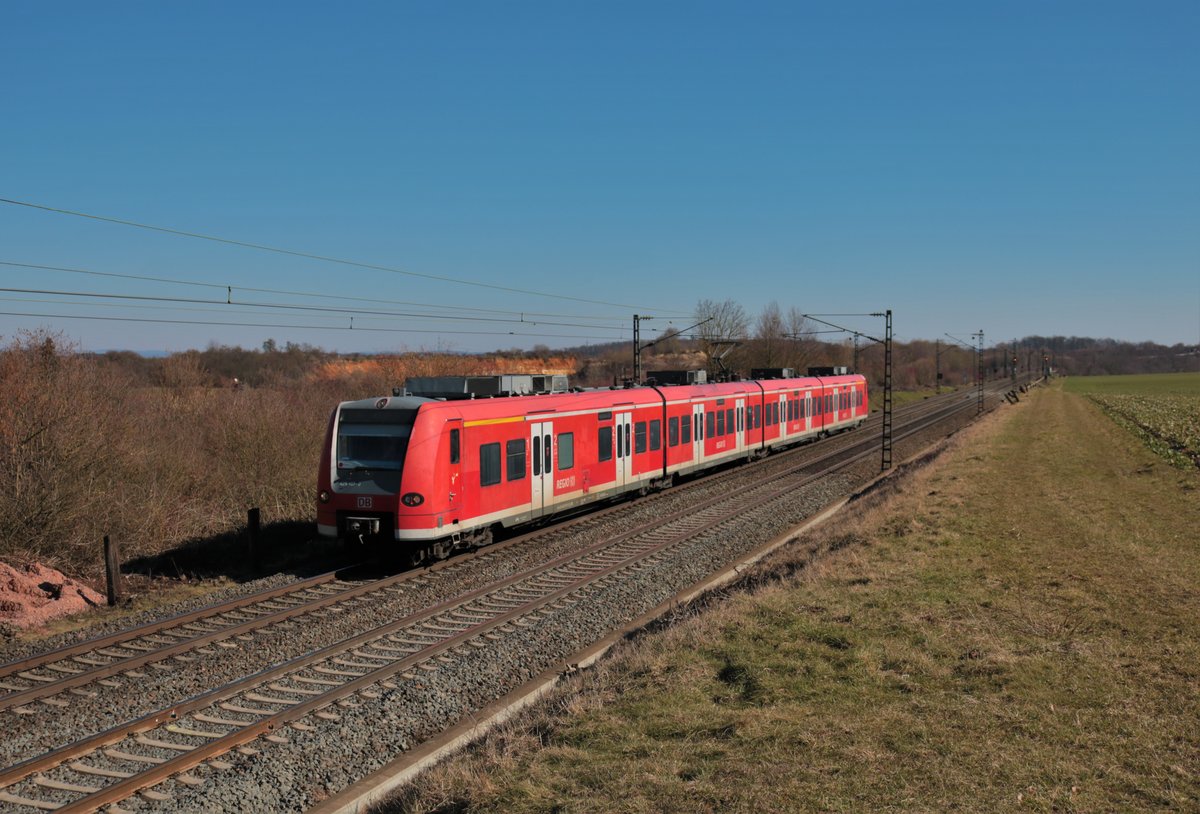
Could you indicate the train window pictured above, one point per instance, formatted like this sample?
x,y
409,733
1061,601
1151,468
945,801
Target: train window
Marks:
x,y
455,446
720,422
605,416
489,464
829,404
655,434
605,443
639,437
371,446
774,413
566,450
685,429
710,423
741,420
514,453
673,431
627,452
757,416
729,420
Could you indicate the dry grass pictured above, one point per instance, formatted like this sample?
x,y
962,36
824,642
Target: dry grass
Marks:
x,y
94,446
1016,629
86,452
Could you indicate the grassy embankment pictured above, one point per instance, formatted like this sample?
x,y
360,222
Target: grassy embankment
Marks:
x,y
1015,629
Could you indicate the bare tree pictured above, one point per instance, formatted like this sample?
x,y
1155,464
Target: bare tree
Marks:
x,y
803,348
769,337
723,323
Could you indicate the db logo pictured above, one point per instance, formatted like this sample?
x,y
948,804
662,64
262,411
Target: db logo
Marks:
x,y
364,503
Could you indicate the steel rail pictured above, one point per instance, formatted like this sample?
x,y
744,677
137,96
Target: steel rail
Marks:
x,y
196,755
98,672
210,613
57,757
150,628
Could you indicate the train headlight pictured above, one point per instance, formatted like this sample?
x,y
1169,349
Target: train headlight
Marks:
x,y
412,499
324,496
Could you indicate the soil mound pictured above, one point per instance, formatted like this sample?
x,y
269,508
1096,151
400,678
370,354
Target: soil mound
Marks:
x,y
31,595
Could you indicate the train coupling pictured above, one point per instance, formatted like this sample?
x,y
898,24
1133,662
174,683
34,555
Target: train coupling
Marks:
x,y
362,526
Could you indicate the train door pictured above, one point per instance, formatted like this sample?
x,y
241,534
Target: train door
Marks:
x,y
739,442
783,416
541,455
623,432
454,490
808,411
697,433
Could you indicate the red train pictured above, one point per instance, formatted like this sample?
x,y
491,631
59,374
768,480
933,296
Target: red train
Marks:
x,y
430,475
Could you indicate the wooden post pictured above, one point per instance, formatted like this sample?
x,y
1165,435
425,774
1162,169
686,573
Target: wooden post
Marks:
x,y
253,526
112,571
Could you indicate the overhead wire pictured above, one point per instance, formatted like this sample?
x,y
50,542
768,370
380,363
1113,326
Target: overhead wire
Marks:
x,y
351,328
315,295
318,257
292,307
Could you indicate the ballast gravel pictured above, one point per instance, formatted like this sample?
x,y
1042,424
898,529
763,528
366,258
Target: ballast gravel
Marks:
x,y
370,732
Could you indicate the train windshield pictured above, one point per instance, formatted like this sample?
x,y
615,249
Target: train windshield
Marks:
x,y
373,439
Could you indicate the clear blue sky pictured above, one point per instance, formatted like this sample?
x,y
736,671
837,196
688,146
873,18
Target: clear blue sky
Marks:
x,y
1021,168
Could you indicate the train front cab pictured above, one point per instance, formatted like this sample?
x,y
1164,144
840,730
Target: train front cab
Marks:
x,y
364,460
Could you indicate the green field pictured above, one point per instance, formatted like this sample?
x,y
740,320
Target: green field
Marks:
x,y
1162,409
1016,629
1150,384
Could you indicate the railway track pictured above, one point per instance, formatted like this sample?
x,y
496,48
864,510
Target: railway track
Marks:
x,y
46,675
179,744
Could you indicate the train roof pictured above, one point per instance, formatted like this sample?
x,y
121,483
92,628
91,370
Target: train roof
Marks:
x,y
594,398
